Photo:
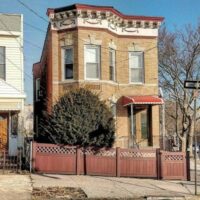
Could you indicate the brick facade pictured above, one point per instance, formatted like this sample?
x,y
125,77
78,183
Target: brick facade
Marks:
x,y
79,36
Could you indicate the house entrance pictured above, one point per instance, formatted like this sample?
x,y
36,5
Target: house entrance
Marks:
x,y
3,131
140,125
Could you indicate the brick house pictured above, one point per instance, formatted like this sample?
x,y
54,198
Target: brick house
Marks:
x,y
12,94
99,48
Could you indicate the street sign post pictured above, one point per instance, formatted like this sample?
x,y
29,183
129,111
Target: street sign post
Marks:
x,y
188,84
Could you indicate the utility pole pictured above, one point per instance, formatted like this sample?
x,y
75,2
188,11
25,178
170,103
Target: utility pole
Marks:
x,y
194,85
195,139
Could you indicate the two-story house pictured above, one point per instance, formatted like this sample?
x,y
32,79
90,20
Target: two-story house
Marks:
x,y
11,81
100,48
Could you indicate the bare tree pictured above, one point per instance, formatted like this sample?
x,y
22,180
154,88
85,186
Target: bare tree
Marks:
x,y
179,60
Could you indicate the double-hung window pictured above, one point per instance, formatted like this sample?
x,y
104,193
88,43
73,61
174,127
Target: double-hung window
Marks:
x,y
68,63
92,62
2,63
112,64
136,67
37,89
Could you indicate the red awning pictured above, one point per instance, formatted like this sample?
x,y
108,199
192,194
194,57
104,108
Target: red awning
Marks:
x,y
128,100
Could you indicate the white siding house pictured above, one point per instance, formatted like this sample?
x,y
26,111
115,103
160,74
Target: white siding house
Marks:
x,y
11,82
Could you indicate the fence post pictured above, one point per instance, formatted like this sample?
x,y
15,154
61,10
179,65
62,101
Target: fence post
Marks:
x,y
34,146
4,160
30,158
118,162
78,155
18,159
158,160
188,165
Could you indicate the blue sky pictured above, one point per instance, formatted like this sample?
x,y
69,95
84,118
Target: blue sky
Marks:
x,y
177,13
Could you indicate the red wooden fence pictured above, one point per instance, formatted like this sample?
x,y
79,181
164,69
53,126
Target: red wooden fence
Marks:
x,y
50,158
173,165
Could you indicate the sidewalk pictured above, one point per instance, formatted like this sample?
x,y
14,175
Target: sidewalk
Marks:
x,y
112,187
19,187
15,187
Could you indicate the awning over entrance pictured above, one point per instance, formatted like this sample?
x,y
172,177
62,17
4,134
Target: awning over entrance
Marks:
x,y
154,100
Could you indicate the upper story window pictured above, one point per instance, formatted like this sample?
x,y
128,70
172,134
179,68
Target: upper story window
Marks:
x,y
2,63
37,89
92,62
112,64
136,67
69,63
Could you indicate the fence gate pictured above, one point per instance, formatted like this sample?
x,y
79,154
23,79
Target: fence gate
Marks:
x,y
10,163
173,165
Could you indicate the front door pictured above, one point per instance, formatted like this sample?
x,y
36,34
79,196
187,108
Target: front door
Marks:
x,y
140,124
3,131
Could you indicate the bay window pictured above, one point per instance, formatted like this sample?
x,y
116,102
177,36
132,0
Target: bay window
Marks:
x,y
136,67
68,63
92,62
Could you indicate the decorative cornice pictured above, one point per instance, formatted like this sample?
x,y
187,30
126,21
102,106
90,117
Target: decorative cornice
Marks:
x,y
103,9
103,17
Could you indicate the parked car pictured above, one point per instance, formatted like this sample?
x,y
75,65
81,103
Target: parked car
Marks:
x,y
198,147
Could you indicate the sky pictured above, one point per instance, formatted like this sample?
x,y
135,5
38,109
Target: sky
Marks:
x,y
177,13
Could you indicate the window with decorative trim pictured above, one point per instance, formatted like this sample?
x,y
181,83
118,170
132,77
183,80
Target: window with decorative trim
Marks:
x,y
68,63
2,63
136,67
92,62
112,64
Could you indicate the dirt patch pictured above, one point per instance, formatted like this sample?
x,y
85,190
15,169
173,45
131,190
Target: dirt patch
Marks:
x,y
60,193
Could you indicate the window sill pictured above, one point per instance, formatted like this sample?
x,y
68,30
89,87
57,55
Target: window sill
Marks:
x,y
68,80
93,79
134,83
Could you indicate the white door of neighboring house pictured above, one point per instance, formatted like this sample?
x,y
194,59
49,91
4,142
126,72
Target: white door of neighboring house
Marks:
x,y
13,134
12,145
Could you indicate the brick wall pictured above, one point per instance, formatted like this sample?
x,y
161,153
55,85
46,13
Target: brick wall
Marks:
x,y
77,38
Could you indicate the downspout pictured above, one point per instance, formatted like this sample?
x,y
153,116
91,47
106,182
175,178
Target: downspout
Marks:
x,y
132,121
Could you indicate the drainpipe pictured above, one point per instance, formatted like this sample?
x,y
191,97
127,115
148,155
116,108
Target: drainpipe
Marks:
x,y
163,125
132,130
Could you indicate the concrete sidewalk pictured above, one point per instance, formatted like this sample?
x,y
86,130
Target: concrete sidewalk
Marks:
x,y
112,187
19,187
15,187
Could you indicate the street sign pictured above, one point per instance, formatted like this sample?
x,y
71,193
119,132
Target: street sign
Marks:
x,y
192,84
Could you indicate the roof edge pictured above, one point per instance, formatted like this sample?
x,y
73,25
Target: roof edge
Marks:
x,y
103,8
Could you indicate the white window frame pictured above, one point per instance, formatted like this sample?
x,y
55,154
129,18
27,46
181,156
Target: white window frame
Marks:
x,y
98,61
139,53
63,62
113,52
37,88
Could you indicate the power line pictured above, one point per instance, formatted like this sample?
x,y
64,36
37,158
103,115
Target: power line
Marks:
x,y
34,27
31,10
38,15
